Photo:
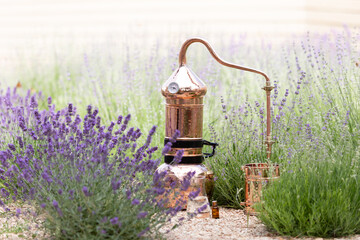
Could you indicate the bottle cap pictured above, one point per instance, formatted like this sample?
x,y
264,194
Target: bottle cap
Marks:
x,y
214,203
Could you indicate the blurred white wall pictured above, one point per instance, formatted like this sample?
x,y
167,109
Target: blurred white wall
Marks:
x,y
27,22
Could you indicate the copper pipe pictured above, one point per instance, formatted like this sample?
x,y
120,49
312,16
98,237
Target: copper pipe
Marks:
x,y
267,88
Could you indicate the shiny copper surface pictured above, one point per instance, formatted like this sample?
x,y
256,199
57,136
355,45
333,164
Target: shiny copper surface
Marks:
x,y
257,176
188,119
268,88
186,85
184,93
187,151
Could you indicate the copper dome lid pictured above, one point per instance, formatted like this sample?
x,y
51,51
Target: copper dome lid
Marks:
x,y
184,84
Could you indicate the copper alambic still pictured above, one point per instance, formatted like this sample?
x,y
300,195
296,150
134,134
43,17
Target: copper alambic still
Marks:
x,y
184,93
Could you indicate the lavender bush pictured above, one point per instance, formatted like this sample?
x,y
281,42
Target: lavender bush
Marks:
x,y
315,126
90,180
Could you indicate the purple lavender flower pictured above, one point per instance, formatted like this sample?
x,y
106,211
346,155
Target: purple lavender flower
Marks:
x,y
98,121
70,108
95,113
178,156
111,127
33,102
158,190
88,109
104,220
71,192
20,141
135,201
175,136
115,184
166,148
202,208
185,183
128,194
86,191
18,212
143,232
194,194
119,120
46,177
127,119
55,204
142,215
11,147
114,220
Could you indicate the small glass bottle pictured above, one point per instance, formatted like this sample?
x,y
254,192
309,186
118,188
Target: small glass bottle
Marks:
x,y
215,210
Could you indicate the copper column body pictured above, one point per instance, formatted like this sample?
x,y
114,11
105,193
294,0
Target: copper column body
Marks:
x,y
184,93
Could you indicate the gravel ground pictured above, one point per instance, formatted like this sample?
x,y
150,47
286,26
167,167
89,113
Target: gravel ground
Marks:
x,y
233,224
24,226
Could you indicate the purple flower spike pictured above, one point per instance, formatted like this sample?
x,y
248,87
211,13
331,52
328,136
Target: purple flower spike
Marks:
x,y
178,156
143,232
71,192
18,212
175,136
95,113
142,215
86,191
194,194
119,120
70,108
127,119
12,147
55,204
114,220
135,201
166,148
89,107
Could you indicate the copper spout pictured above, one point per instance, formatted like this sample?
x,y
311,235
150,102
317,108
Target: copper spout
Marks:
x,y
267,88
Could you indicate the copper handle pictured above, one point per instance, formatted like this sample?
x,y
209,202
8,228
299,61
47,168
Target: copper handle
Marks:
x,y
267,88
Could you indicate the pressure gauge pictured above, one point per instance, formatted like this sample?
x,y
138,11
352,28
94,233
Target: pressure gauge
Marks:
x,y
173,87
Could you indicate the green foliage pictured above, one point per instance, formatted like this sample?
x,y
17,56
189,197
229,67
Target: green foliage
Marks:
x,y
315,198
